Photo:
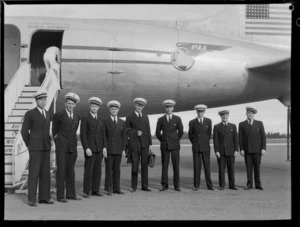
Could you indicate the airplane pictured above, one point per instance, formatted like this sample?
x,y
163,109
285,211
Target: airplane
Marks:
x,y
202,61
230,54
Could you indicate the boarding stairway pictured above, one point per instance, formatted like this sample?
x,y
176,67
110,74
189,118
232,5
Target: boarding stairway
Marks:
x,y
18,99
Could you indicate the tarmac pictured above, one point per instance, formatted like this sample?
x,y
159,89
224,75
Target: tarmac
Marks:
x,y
272,203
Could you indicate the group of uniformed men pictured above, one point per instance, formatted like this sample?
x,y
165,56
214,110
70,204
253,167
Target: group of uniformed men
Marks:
x,y
110,137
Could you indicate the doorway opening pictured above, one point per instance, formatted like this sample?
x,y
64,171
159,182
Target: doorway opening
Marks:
x,y
12,40
40,41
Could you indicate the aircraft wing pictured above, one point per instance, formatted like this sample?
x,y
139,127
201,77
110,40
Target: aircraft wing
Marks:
x,y
279,67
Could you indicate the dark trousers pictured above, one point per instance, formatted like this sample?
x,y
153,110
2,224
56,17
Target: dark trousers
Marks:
x,y
112,172
65,173
253,160
92,172
137,154
165,158
203,157
222,162
39,173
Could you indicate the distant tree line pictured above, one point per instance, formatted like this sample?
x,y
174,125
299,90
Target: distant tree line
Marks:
x,y
269,135
276,135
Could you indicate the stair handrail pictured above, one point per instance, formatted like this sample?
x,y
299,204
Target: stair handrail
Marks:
x,y
15,87
51,78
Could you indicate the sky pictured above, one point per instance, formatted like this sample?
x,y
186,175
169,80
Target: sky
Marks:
x,y
271,112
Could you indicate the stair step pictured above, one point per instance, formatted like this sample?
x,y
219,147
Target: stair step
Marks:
x,y
10,133
15,118
19,111
24,105
31,88
8,179
9,142
8,168
28,93
8,150
25,99
13,125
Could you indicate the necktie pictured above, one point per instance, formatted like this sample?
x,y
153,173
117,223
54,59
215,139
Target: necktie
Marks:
x,y
44,114
249,122
95,116
201,121
115,121
140,116
71,117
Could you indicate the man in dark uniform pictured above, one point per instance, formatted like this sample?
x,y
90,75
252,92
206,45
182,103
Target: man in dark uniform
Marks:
x,y
115,132
140,141
172,130
199,134
64,128
226,148
252,140
92,135
36,135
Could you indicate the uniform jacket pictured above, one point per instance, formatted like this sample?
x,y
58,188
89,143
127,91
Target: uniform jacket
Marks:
x,y
252,139
38,139
225,139
115,136
171,132
92,133
200,135
135,124
65,129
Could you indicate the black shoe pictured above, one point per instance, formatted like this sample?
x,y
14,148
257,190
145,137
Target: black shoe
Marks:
x,y
178,189
119,192
109,193
85,195
259,187
63,200
221,188
73,198
32,204
163,188
96,194
132,189
195,188
233,188
247,187
146,189
212,189
47,201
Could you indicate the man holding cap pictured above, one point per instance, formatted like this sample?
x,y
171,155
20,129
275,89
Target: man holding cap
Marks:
x,y
140,141
226,148
36,135
252,140
172,130
199,134
92,135
64,128
115,132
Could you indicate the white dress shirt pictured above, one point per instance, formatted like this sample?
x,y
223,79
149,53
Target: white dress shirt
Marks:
x,y
202,120
113,118
69,114
137,114
94,115
169,117
42,111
